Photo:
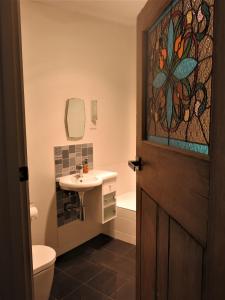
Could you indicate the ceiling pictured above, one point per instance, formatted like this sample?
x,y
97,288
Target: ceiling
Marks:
x,y
120,11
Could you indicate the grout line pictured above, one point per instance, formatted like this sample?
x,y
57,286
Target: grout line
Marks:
x,y
88,286
72,292
104,266
84,282
116,290
61,298
120,287
111,268
87,282
94,289
68,275
116,253
96,274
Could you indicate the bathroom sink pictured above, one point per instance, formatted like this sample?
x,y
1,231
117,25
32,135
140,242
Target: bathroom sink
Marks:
x,y
79,184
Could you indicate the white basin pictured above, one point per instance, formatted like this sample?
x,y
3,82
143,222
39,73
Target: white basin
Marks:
x,y
79,184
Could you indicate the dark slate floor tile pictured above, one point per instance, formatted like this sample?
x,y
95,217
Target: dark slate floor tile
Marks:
x,y
119,247
102,257
99,241
57,271
66,260
83,270
126,292
131,254
98,270
124,266
87,293
107,282
63,285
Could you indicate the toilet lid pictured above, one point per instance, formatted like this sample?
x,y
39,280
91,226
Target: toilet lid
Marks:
x,y
43,257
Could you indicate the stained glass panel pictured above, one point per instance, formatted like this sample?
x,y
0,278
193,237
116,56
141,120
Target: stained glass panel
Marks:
x,y
179,76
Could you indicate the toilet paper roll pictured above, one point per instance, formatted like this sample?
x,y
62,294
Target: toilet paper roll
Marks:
x,y
33,213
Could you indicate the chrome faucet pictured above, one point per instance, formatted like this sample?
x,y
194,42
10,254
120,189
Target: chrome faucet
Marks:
x,y
79,168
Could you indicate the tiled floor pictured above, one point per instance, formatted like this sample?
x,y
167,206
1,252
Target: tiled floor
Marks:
x,y
101,269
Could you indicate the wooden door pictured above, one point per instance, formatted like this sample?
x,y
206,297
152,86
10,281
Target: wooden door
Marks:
x,y
180,206
15,238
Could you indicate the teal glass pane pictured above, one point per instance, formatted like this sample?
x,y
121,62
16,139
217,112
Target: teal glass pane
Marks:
x,y
179,76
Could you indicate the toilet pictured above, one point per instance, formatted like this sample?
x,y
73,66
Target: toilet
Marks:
x,y
43,265
43,270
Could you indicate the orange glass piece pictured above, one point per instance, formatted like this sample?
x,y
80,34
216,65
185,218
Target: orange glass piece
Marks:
x,y
179,46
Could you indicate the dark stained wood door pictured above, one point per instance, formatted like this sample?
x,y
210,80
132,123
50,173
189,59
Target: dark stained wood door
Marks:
x,y
180,205
15,236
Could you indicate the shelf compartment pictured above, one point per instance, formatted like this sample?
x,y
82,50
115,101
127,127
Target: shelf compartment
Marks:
x,y
110,213
110,204
109,199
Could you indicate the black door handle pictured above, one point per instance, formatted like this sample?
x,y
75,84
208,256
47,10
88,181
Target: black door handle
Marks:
x,y
23,173
135,165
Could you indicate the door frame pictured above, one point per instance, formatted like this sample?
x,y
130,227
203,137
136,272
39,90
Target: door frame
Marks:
x,y
216,227
215,260
16,257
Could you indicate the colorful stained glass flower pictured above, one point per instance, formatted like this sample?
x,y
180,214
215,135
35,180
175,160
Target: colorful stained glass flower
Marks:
x,y
177,67
179,75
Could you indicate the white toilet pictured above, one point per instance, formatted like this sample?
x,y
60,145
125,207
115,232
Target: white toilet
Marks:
x,y
43,265
43,270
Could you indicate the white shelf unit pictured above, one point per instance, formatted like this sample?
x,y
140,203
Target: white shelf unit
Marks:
x,y
109,208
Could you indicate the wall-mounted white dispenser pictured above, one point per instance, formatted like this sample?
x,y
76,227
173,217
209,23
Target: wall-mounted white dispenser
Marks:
x,y
94,111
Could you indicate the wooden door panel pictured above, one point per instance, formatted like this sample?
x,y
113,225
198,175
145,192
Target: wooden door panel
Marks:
x,y
167,249
179,183
185,265
148,217
162,256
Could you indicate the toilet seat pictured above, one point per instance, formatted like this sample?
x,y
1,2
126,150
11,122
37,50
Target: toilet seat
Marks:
x,y
43,258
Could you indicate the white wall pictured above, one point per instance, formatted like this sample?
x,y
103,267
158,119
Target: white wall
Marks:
x,y
70,55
